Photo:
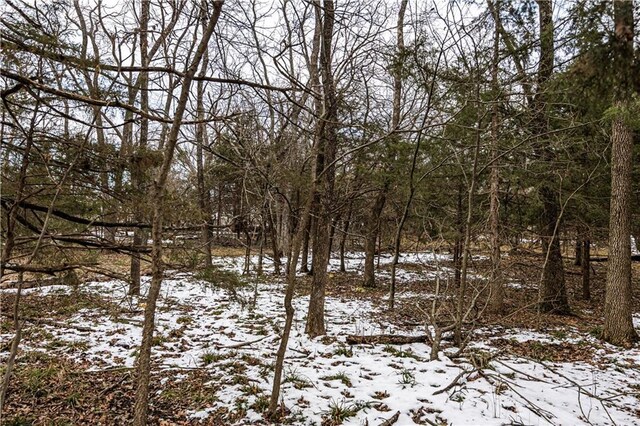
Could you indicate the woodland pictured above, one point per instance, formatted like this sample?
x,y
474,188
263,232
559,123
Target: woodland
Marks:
x,y
319,212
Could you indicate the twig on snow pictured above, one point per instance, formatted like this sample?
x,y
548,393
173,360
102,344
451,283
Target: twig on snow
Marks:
x,y
241,344
50,322
391,420
455,381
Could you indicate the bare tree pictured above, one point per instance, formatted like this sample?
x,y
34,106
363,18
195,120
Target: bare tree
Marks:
x,y
204,200
159,190
325,172
496,288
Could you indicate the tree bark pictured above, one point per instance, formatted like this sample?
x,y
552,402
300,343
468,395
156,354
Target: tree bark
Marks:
x,y
275,247
304,262
457,244
395,123
618,322
586,268
553,294
578,249
343,239
332,232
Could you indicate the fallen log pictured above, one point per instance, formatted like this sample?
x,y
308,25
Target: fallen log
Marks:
x,y
242,344
386,339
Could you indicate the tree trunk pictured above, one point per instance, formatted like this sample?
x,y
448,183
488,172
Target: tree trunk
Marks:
x,y
137,165
325,171
586,268
373,229
259,267
457,245
247,252
204,201
395,124
343,239
552,294
304,262
373,226
386,339
315,316
144,358
618,322
296,244
332,233
275,248
219,212
496,289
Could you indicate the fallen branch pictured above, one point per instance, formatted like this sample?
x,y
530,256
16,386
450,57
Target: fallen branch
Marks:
x,y
515,370
391,420
7,201
455,381
581,389
137,323
104,370
113,386
242,344
49,322
530,405
50,270
386,339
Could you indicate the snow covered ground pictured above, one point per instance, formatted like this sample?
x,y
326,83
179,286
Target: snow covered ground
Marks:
x,y
201,326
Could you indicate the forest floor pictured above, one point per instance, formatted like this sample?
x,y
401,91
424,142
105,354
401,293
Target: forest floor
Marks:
x,y
217,335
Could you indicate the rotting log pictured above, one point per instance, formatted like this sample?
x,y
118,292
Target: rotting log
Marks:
x,y
387,339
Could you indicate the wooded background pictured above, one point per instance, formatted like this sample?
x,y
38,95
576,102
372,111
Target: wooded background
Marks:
x,y
304,130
